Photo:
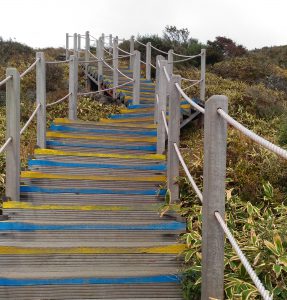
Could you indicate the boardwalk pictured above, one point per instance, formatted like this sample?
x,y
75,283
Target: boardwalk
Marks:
x,y
88,223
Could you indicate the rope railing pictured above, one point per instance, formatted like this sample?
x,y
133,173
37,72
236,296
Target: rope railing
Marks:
x,y
263,292
30,119
105,90
164,121
195,83
185,59
192,103
154,67
29,68
166,74
161,51
187,56
5,80
126,52
57,62
253,136
58,101
140,43
120,72
4,146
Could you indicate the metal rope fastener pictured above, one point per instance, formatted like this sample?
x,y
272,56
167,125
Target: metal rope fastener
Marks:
x,y
253,136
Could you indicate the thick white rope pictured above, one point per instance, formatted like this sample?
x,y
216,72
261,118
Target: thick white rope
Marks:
x,y
195,83
152,66
30,119
253,136
190,178
164,121
159,50
30,68
88,61
166,74
59,101
140,43
110,67
185,59
93,54
143,62
192,103
5,144
124,75
263,292
5,80
189,80
57,62
130,54
109,89
188,56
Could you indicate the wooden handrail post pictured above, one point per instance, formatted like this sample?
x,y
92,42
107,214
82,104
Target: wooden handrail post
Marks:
x,y
148,61
162,94
87,58
136,77
115,66
132,49
73,87
100,55
170,62
41,99
214,171
157,72
67,46
75,44
173,138
202,74
13,131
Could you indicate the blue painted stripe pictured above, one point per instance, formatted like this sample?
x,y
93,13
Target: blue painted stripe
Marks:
x,y
131,115
141,148
22,226
80,281
50,163
36,189
66,128
141,90
136,106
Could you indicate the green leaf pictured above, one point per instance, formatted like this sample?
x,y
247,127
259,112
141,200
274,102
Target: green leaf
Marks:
x,y
278,242
271,247
277,269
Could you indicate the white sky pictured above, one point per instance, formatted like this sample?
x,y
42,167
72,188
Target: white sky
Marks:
x,y
39,23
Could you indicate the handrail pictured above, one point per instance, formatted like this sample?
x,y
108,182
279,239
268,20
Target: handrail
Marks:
x,y
5,80
124,74
4,146
58,101
30,119
163,52
196,106
29,68
264,293
195,83
166,74
253,136
185,59
57,62
131,54
140,43
105,90
154,67
188,56
164,121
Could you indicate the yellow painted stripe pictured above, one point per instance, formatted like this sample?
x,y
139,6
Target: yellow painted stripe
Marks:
x,y
102,155
26,205
128,120
170,249
67,121
52,134
141,98
137,110
32,174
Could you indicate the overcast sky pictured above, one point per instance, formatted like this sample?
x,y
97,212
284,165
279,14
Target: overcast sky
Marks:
x,y
38,23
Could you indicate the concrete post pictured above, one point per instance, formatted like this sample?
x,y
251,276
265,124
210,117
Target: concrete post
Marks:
x,y
110,43
162,93
79,42
132,49
13,131
67,46
173,138
75,44
157,71
136,77
41,99
148,61
87,58
115,66
214,171
202,74
73,87
100,63
170,62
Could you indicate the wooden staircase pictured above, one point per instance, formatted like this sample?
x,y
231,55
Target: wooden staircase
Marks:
x,y
88,223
